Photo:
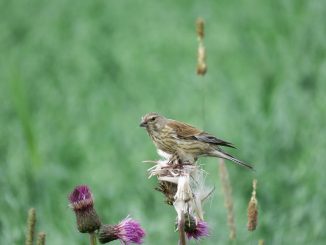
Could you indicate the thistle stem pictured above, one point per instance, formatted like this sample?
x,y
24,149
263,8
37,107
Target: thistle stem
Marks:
x,y
182,234
92,238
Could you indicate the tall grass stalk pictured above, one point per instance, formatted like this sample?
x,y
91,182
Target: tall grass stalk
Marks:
x,y
23,112
253,208
201,63
228,201
201,71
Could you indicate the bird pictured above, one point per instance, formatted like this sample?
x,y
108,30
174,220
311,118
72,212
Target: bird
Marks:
x,y
173,138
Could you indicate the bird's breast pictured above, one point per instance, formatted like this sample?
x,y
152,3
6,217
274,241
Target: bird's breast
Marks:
x,y
164,141
167,141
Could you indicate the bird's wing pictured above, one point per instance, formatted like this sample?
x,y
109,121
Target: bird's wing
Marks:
x,y
183,130
186,131
207,138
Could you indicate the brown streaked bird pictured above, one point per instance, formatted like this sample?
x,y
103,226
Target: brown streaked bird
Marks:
x,y
174,138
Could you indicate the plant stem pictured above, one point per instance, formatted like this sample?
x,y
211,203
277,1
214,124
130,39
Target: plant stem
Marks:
x,y
92,238
182,234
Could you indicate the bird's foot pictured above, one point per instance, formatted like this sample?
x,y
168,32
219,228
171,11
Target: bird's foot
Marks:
x,y
187,162
173,160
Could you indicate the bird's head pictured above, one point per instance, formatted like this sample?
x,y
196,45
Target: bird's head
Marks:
x,y
153,121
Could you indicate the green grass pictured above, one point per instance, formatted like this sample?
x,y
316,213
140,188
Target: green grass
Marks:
x,y
76,76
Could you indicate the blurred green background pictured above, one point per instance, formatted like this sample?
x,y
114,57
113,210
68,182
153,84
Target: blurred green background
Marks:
x,y
76,77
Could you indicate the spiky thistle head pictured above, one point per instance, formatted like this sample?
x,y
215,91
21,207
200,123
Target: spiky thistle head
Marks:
x,y
127,231
81,201
195,229
81,198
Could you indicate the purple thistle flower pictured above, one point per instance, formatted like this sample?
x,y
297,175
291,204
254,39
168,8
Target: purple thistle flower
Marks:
x,y
195,228
201,230
128,231
81,201
81,197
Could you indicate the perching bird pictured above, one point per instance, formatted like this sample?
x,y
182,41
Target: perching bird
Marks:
x,y
179,139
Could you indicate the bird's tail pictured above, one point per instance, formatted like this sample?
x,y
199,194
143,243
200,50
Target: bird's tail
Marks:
x,y
224,155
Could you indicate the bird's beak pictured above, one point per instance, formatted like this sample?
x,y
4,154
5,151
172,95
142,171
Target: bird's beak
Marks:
x,y
143,124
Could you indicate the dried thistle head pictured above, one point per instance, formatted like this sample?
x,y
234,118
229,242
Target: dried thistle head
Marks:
x,y
169,189
81,201
182,185
200,192
253,209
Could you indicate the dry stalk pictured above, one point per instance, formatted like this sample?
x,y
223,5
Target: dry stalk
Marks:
x,y
253,208
227,191
183,187
182,234
201,55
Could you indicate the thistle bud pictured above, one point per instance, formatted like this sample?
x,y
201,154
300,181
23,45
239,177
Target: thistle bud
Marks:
x,y
81,201
127,231
107,233
195,229
253,209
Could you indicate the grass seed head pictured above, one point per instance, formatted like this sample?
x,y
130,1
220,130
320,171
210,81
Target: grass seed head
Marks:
x,y
253,209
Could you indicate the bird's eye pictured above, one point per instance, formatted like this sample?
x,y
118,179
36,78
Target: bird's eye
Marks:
x,y
152,119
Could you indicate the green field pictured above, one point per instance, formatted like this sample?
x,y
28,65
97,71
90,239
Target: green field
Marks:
x,y
76,77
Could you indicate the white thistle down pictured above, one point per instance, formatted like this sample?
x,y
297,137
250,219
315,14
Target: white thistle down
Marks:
x,y
191,191
183,197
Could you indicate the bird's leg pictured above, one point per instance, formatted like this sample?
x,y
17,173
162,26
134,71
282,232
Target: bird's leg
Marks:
x,y
170,160
174,158
186,162
186,159
180,163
